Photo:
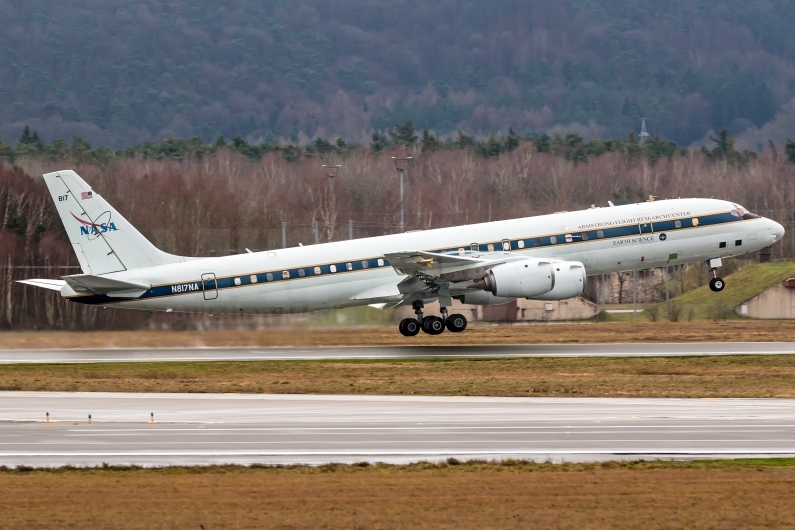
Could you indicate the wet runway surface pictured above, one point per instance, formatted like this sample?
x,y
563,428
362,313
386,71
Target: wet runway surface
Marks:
x,y
396,352
316,429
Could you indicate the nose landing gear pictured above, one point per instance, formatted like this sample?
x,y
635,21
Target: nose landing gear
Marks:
x,y
716,284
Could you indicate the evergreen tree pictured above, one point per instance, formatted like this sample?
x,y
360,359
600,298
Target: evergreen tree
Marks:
x,y
404,133
790,150
464,140
543,143
631,146
323,146
512,141
219,142
378,142
26,137
429,141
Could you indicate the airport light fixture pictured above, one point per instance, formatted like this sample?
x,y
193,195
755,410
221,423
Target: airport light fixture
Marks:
x,y
331,171
401,164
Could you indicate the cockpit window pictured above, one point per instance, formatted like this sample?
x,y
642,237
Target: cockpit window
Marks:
x,y
742,212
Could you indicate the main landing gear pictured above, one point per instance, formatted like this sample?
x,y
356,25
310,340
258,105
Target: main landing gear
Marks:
x,y
716,284
432,325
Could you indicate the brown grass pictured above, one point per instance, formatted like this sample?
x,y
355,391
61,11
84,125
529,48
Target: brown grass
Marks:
x,y
589,332
468,496
719,376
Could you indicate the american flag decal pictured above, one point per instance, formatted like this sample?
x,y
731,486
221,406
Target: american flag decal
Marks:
x,y
87,195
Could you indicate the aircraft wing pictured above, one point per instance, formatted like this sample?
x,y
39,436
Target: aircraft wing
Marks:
x,y
91,283
446,267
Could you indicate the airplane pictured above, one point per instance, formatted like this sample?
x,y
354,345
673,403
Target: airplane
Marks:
x,y
547,257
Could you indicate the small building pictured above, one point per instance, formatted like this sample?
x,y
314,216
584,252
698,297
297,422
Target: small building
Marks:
x,y
778,302
519,310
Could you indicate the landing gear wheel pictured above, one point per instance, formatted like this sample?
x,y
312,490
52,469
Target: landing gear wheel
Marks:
x,y
409,327
717,284
432,325
456,323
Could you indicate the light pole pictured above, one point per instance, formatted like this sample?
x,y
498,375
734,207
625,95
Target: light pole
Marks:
x,y
331,171
401,164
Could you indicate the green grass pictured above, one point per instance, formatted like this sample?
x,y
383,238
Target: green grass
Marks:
x,y
740,286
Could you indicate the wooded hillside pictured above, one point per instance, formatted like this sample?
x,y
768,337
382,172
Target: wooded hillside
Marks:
x,y
120,72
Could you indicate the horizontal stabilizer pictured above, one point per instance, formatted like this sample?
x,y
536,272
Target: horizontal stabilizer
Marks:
x,y
90,283
54,285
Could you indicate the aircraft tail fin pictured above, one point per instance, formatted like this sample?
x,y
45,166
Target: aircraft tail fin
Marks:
x,y
102,239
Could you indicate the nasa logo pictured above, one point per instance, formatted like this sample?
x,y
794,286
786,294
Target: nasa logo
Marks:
x,y
663,237
93,229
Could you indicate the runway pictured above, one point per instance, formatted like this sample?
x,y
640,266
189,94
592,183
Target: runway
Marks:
x,y
311,429
394,352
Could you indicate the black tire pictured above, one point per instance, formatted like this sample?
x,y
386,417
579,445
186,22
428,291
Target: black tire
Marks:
x,y
432,325
456,323
717,284
409,327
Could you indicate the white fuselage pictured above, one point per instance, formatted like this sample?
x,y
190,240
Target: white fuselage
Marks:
x,y
621,238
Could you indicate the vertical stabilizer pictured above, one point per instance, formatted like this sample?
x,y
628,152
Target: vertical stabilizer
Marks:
x,y
102,239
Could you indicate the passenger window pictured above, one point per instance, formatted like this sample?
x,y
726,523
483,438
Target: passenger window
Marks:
x,y
462,251
738,242
301,273
269,277
491,247
695,221
286,275
380,262
600,234
678,224
722,244
537,241
237,281
317,271
253,278
365,264
569,238
332,268
553,240
520,243
474,247
506,245
585,236
349,266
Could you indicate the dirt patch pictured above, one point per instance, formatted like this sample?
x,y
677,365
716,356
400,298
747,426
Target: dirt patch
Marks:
x,y
718,376
589,332
472,495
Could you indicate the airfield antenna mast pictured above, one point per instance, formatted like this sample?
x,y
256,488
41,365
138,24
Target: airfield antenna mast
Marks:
x,y
643,136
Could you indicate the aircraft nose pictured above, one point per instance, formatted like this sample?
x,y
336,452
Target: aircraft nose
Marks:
x,y
777,230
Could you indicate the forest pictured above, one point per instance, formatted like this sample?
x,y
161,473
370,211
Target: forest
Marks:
x,y
124,72
218,199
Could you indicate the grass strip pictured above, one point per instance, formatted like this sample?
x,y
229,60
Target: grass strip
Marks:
x,y
639,331
448,495
699,377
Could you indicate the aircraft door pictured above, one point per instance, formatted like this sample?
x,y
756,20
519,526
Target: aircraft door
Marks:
x,y
209,286
646,228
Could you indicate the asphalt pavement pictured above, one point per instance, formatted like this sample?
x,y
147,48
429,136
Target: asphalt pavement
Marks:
x,y
314,429
394,352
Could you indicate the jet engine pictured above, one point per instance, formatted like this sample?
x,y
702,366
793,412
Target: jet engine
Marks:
x,y
570,281
538,279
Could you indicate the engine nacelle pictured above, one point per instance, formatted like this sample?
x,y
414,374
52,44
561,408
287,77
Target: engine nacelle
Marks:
x,y
519,279
482,298
570,280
